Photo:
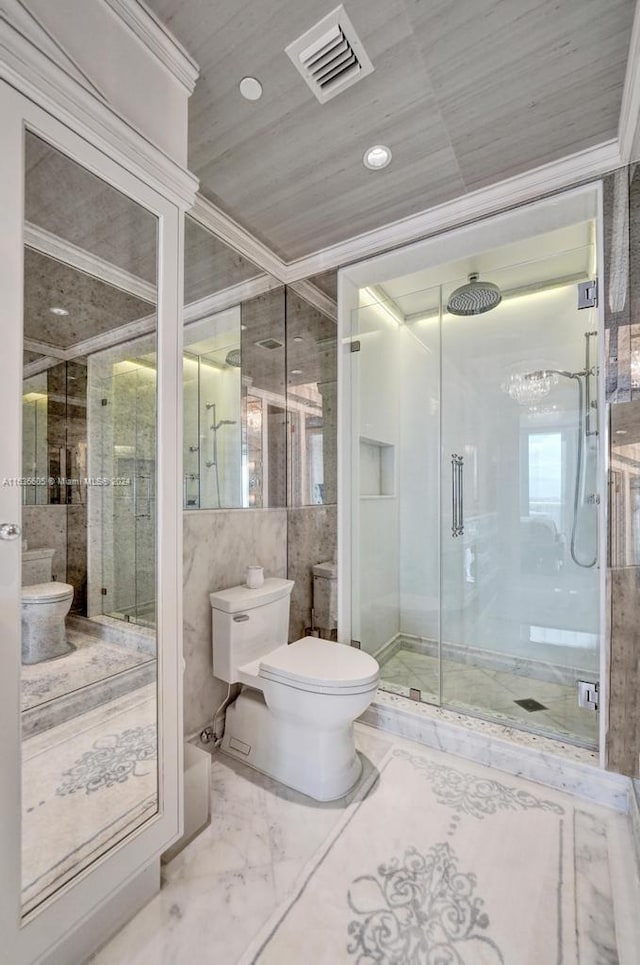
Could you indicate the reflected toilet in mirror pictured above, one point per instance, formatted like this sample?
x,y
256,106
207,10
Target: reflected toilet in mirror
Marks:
x,y
45,605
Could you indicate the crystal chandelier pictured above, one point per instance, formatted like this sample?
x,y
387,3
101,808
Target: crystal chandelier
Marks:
x,y
529,388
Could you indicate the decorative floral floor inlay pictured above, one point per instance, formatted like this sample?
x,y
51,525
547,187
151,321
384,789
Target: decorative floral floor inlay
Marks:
x,y
477,797
420,910
113,760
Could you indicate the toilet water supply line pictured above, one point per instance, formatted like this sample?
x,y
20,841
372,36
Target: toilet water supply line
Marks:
x,y
216,732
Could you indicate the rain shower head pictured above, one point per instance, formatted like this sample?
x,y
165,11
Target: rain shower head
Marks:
x,y
234,358
474,298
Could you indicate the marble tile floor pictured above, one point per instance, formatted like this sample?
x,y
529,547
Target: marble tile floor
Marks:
x,y
493,692
86,784
91,660
431,858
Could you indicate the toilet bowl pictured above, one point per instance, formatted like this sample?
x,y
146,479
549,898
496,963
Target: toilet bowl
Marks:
x,y
294,717
44,608
45,604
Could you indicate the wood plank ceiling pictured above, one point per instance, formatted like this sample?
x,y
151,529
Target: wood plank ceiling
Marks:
x,y
465,92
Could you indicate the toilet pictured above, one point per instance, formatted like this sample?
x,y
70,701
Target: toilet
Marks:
x,y
45,604
293,719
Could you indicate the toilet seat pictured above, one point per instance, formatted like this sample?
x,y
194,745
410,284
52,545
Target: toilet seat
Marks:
x,y
309,665
46,593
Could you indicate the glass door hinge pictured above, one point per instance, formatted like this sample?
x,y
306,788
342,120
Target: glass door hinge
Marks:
x,y
588,693
356,644
588,294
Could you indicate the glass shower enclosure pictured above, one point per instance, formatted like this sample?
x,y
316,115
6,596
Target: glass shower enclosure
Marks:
x,y
475,487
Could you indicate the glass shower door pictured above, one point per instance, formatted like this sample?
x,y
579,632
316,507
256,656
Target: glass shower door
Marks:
x,y
395,424
128,512
519,507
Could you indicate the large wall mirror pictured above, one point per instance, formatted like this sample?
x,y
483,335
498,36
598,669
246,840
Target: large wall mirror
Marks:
x,y
88,681
259,383
234,379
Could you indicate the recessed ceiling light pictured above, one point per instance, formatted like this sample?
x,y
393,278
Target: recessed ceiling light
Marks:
x,y
621,432
58,311
377,157
296,371
250,88
298,338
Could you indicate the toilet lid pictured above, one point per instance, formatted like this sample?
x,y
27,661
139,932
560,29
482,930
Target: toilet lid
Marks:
x,y
46,592
322,667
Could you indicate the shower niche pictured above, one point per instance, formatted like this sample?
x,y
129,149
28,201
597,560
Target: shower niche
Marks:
x,y
377,468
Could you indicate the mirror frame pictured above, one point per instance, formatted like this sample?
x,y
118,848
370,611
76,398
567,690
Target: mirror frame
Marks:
x,y
25,940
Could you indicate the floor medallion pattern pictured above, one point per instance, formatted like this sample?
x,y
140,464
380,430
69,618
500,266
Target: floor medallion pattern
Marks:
x,y
421,910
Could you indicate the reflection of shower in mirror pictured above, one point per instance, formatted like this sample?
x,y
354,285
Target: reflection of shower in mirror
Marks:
x,y
213,462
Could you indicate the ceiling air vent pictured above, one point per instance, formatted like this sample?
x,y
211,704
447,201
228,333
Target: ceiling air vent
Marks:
x,y
330,56
270,343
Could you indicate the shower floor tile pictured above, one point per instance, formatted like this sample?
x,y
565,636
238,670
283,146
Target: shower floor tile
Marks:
x,y
491,693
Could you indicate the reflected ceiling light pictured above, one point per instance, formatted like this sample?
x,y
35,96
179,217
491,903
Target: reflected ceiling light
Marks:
x,y
619,432
529,388
55,310
377,157
250,88
296,371
298,338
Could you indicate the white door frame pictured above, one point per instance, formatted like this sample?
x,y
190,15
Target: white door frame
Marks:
x,y
29,940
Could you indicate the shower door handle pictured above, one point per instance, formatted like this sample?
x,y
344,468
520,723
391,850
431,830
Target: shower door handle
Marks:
x,y
147,514
457,495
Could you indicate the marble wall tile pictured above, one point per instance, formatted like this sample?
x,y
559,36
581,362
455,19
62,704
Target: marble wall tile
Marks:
x,y
623,737
77,554
218,546
311,538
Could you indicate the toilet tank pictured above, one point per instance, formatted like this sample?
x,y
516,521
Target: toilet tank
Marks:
x,y
325,595
37,566
247,624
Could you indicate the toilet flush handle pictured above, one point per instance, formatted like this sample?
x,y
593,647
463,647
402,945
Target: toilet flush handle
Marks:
x,y
9,531
241,618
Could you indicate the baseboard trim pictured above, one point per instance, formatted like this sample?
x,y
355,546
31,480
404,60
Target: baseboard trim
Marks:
x,y
102,924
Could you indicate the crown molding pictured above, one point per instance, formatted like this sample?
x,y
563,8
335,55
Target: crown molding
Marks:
x,y
210,216
55,247
520,189
151,32
58,89
44,348
531,185
40,365
629,125
194,312
312,294
24,21
229,298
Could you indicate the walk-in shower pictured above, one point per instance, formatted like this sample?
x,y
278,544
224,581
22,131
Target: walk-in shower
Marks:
x,y
471,479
